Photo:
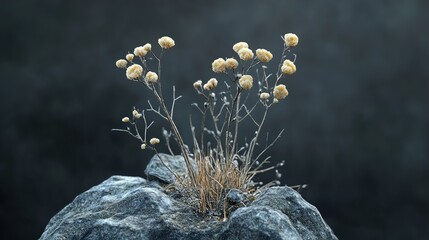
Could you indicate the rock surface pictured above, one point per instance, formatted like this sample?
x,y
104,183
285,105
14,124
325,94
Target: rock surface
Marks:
x,y
134,208
162,170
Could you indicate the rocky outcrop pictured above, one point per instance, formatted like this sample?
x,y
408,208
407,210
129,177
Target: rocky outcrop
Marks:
x,y
134,208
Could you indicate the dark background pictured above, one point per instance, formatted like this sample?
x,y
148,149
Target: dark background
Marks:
x,y
356,119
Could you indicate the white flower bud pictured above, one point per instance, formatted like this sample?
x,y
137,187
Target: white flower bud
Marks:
x,y
246,82
218,65
129,57
288,67
280,92
231,63
166,42
121,63
154,141
238,46
151,77
291,40
140,51
264,55
245,54
134,72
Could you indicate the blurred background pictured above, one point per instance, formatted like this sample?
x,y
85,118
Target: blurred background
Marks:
x,y
356,119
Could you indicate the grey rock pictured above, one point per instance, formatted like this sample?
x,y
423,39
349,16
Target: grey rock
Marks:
x,y
234,196
163,170
134,208
305,218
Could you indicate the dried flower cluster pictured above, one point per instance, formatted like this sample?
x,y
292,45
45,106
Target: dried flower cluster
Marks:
x,y
291,40
222,161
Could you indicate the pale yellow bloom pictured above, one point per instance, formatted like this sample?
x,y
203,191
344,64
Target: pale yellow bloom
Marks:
x,y
280,92
231,63
147,47
246,82
291,40
154,141
136,114
125,119
198,84
121,63
129,57
264,55
143,146
166,42
288,67
151,77
134,72
240,45
218,65
245,54
264,96
211,84
140,51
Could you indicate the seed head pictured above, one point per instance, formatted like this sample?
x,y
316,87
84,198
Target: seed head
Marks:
x,y
264,55
211,84
121,63
231,63
140,51
291,40
288,67
218,65
246,82
264,96
143,146
151,77
147,47
129,57
198,84
166,42
245,54
238,46
134,72
136,114
125,119
280,92
154,141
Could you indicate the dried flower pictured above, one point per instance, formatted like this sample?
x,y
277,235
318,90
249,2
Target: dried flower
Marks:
x,y
129,57
211,84
245,54
246,82
140,51
264,96
264,55
134,72
280,92
125,119
121,63
231,63
288,67
291,40
198,84
166,42
136,114
154,141
275,100
147,47
143,146
218,65
238,46
151,77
